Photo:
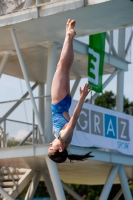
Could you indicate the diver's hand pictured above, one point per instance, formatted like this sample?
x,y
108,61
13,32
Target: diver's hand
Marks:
x,y
85,91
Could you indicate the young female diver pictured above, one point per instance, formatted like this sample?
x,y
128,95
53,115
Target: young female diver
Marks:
x,y
61,101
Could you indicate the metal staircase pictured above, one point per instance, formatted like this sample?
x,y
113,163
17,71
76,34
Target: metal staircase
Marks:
x,y
12,180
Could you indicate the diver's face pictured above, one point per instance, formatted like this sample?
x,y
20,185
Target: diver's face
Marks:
x,y
55,145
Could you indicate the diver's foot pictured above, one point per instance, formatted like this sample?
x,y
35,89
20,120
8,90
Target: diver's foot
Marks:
x,y
70,28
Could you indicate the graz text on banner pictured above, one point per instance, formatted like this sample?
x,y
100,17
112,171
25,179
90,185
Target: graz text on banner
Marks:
x,y
104,128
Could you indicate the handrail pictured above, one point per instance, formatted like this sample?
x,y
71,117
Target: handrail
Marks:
x,y
16,6
20,122
23,99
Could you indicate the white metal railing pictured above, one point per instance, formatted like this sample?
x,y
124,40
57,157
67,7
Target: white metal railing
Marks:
x,y
11,6
9,130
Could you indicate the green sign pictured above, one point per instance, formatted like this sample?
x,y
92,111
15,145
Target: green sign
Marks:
x,y
96,52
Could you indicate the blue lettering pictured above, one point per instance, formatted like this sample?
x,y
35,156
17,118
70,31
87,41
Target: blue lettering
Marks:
x,y
122,145
110,126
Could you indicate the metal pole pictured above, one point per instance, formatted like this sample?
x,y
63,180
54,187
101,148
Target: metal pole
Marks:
x,y
112,46
70,191
129,44
33,128
106,83
4,138
33,185
27,4
22,99
22,64
119,94
55,179
78,78
117,196
49,185
3,62
41,103
109,182
17,104
51,67
120,76
124,183
23,141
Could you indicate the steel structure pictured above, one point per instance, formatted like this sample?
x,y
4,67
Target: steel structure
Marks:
x,y
30,45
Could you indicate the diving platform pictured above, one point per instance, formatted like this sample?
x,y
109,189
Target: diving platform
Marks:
x,y
90,172
38,26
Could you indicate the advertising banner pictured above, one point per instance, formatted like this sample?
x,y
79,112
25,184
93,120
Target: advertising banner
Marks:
x,y
96,53
103,128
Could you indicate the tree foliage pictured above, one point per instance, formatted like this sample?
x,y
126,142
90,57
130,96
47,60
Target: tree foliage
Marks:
x,y
87,192
108,100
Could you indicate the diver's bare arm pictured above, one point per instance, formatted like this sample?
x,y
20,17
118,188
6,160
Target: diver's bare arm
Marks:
x,y
83,93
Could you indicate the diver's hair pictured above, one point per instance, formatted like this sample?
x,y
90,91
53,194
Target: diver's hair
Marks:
x,y
60,157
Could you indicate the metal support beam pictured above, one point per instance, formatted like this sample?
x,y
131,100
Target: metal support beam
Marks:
x,y
5,194
41,102
109,182
22,64
24,180
111,41
124,183
41,105
120,76
27,4
33,128
3,62
17,104
106,83
113,60
51,67
119,93
117,196
129,43
33,186
70,191
78,78
10,174
111,47
49,185
54,174
121,43
27,136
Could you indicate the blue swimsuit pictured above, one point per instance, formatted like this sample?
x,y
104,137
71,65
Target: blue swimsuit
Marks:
x,y
57,114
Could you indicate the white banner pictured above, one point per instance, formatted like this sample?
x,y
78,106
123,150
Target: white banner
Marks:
x,y
104,128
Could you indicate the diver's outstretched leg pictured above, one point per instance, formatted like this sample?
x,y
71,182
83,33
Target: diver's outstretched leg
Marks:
x,y
60,84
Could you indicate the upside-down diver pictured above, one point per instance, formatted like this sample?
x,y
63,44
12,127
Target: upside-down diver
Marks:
x,y
61,102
